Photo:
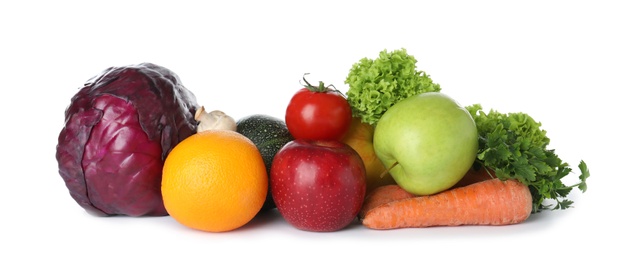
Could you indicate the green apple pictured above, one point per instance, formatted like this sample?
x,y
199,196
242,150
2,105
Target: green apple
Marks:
x,y
428,141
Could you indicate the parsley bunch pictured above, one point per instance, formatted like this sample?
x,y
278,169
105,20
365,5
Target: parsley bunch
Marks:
x,y
377,84
513,146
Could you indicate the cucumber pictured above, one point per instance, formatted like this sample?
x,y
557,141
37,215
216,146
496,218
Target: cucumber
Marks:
x,y
269,134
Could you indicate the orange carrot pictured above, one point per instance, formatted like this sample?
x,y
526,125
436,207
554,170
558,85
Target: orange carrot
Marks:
x,y
490,202
382,195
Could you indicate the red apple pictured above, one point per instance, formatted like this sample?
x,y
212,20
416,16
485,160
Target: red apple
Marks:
x,y
318,185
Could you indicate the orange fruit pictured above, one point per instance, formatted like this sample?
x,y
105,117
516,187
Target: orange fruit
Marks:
x,y
214,181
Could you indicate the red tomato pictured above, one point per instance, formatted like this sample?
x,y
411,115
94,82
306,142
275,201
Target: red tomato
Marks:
x,y
318,113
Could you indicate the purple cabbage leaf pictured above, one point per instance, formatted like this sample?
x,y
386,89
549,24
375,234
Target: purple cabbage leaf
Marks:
x,y
118,130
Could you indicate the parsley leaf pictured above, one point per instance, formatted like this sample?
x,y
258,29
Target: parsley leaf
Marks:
x,y
513,146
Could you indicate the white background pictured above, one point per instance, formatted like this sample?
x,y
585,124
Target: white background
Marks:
x,y
570,64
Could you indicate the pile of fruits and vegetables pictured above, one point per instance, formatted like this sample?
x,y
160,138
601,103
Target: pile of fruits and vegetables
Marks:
x,y
394,151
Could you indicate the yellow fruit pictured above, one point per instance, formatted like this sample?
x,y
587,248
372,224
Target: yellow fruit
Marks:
x,y
214,181
359,137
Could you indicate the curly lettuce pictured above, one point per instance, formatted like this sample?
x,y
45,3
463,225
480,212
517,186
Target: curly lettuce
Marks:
x,y
376,85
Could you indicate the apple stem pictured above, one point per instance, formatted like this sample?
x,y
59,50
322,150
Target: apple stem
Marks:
x,y
388,169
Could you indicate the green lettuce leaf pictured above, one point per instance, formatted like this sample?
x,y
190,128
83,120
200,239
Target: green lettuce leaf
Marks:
x,y
377,84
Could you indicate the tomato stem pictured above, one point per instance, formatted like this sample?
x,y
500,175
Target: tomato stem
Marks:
x,y
321,88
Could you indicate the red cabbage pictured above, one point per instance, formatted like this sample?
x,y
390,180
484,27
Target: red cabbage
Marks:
x,y
118,130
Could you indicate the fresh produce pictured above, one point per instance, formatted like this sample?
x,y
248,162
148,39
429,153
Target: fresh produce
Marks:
x,y
214,120
490,202
117,132
513,146
382,195
376,85
394,152
269,134
214,181
427,141
359,137
475,174
318,185
318,113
